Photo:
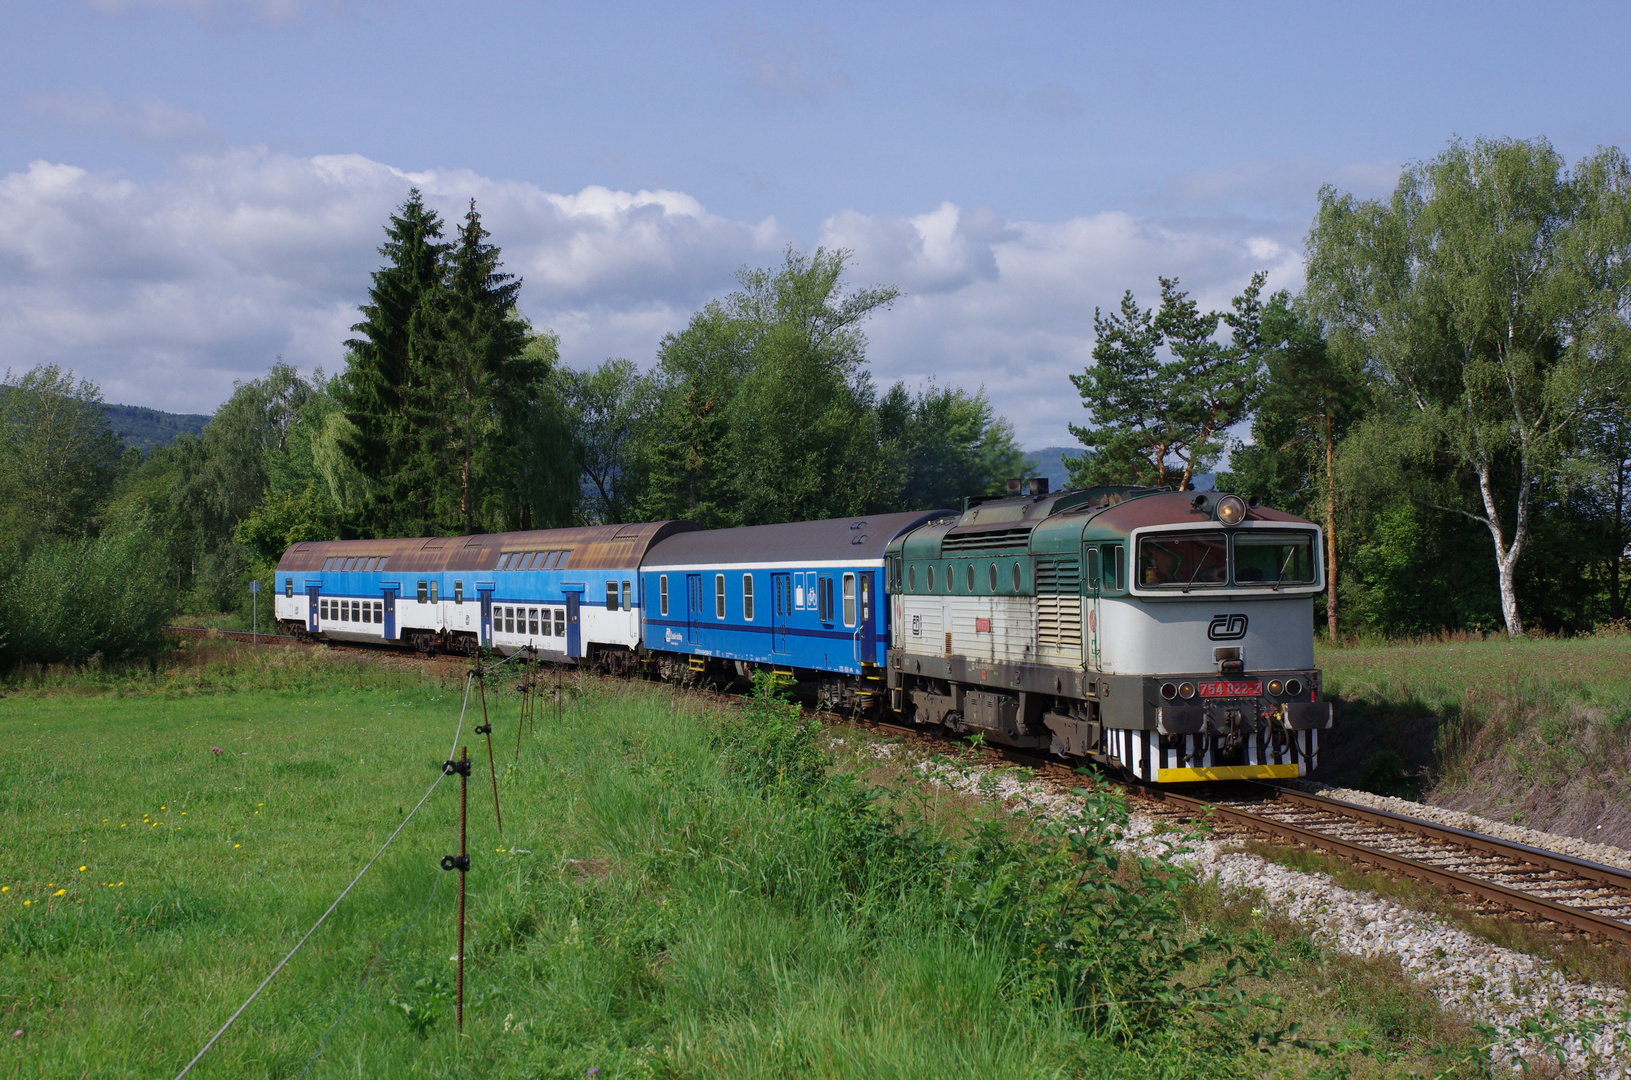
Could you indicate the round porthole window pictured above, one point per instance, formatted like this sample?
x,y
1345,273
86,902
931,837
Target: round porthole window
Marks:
x,y
970,577
993,577
931,579
911,578
1016,577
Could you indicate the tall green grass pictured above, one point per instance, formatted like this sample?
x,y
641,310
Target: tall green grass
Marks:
x,y
677,892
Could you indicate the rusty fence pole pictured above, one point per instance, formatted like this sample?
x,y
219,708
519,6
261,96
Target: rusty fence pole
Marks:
x,y
461,863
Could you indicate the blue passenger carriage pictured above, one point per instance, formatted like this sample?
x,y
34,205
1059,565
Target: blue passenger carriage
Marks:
x,y
805,599
570,595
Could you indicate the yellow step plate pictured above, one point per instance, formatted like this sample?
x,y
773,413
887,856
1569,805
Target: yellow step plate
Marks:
x,y
1227,772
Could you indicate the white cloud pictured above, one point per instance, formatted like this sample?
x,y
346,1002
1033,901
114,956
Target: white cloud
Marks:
x,y
166,291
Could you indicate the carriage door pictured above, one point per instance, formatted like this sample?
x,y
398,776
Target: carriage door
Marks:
x,y
390,611
485,637
313,592
693,607
1095,582
574,622
781,587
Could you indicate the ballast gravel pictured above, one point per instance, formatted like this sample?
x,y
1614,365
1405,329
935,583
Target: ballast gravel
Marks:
x,y
1540,1015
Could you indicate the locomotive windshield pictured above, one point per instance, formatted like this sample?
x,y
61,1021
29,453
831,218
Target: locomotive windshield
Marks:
x,y
1194,560
1265,558
1184,560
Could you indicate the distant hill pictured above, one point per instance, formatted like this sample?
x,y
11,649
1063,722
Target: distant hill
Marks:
x,y
1048,462
146,428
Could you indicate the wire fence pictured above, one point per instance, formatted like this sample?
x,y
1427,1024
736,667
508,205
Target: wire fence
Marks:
x,y
470,679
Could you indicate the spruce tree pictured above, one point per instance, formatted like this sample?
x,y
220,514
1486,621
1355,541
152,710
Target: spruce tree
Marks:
x,y
385,365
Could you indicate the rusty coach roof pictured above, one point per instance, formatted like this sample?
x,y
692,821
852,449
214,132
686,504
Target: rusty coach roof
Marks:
x,y
862,538
592,547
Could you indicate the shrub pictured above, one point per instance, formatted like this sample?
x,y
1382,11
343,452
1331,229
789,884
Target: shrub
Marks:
x,y
70,600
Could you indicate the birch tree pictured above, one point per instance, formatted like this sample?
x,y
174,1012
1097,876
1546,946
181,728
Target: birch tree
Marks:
x,y
1481,293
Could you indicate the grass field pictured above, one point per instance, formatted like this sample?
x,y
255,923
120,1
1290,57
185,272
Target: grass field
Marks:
x,y
1535,731
651,909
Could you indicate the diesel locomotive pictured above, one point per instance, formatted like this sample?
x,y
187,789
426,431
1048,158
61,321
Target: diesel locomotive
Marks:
x,y
1165,634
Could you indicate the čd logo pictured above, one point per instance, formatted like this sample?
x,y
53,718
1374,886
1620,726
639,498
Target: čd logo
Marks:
x,y
1227,628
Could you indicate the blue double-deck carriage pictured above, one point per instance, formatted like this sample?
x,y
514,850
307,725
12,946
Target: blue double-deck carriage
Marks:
x,y
804,598
566,595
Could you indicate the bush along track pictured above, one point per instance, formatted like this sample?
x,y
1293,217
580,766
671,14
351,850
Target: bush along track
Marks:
x,y
1523,1008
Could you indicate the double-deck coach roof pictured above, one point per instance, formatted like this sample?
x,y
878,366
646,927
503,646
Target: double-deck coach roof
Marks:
x,y
595,547
839,541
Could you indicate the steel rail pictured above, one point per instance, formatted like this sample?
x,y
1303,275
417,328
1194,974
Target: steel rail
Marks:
x,y
1552,911
1482,843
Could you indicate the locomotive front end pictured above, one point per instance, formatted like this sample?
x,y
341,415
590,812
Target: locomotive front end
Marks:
x,y
1167,635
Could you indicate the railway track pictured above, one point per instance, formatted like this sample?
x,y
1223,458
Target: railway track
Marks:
x,y
234,635
1577,896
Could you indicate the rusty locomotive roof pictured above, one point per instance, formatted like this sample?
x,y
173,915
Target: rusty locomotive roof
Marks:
x,y
592,547
1177,507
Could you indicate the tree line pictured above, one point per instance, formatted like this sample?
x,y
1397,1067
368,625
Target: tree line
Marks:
x,y
1450,393
453,415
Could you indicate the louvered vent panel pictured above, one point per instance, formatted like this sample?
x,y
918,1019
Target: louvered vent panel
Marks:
x,y
1001,540
1059,606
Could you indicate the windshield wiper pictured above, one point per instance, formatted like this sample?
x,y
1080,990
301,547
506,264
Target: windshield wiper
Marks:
x,y
1198,568
1291,553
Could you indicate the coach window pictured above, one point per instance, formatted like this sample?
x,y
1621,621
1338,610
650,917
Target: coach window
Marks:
x,y
458,592
560,564
423,591
849,598
383,560
719,596
866,596
611,596
628,595
433,589
747,597
532,621
328,562
560,622
288,586
662,594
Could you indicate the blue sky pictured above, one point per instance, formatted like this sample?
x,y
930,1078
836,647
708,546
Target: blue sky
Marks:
x,y
189,188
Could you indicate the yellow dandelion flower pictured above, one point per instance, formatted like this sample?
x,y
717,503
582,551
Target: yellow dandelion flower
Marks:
x,y
60,892
164,808
121,883
27,902
104,821
5,888
81,869
121,824
237,845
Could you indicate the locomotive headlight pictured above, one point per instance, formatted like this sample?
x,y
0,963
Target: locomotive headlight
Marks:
x,y
1275,687
1294,687
1186,690
1231,510
1168,691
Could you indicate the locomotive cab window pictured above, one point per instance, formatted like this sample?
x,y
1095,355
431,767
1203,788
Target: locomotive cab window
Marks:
x,y
747,597
611,596
849,598
1273,558
662,594
1183,560
1093,569
1115,568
